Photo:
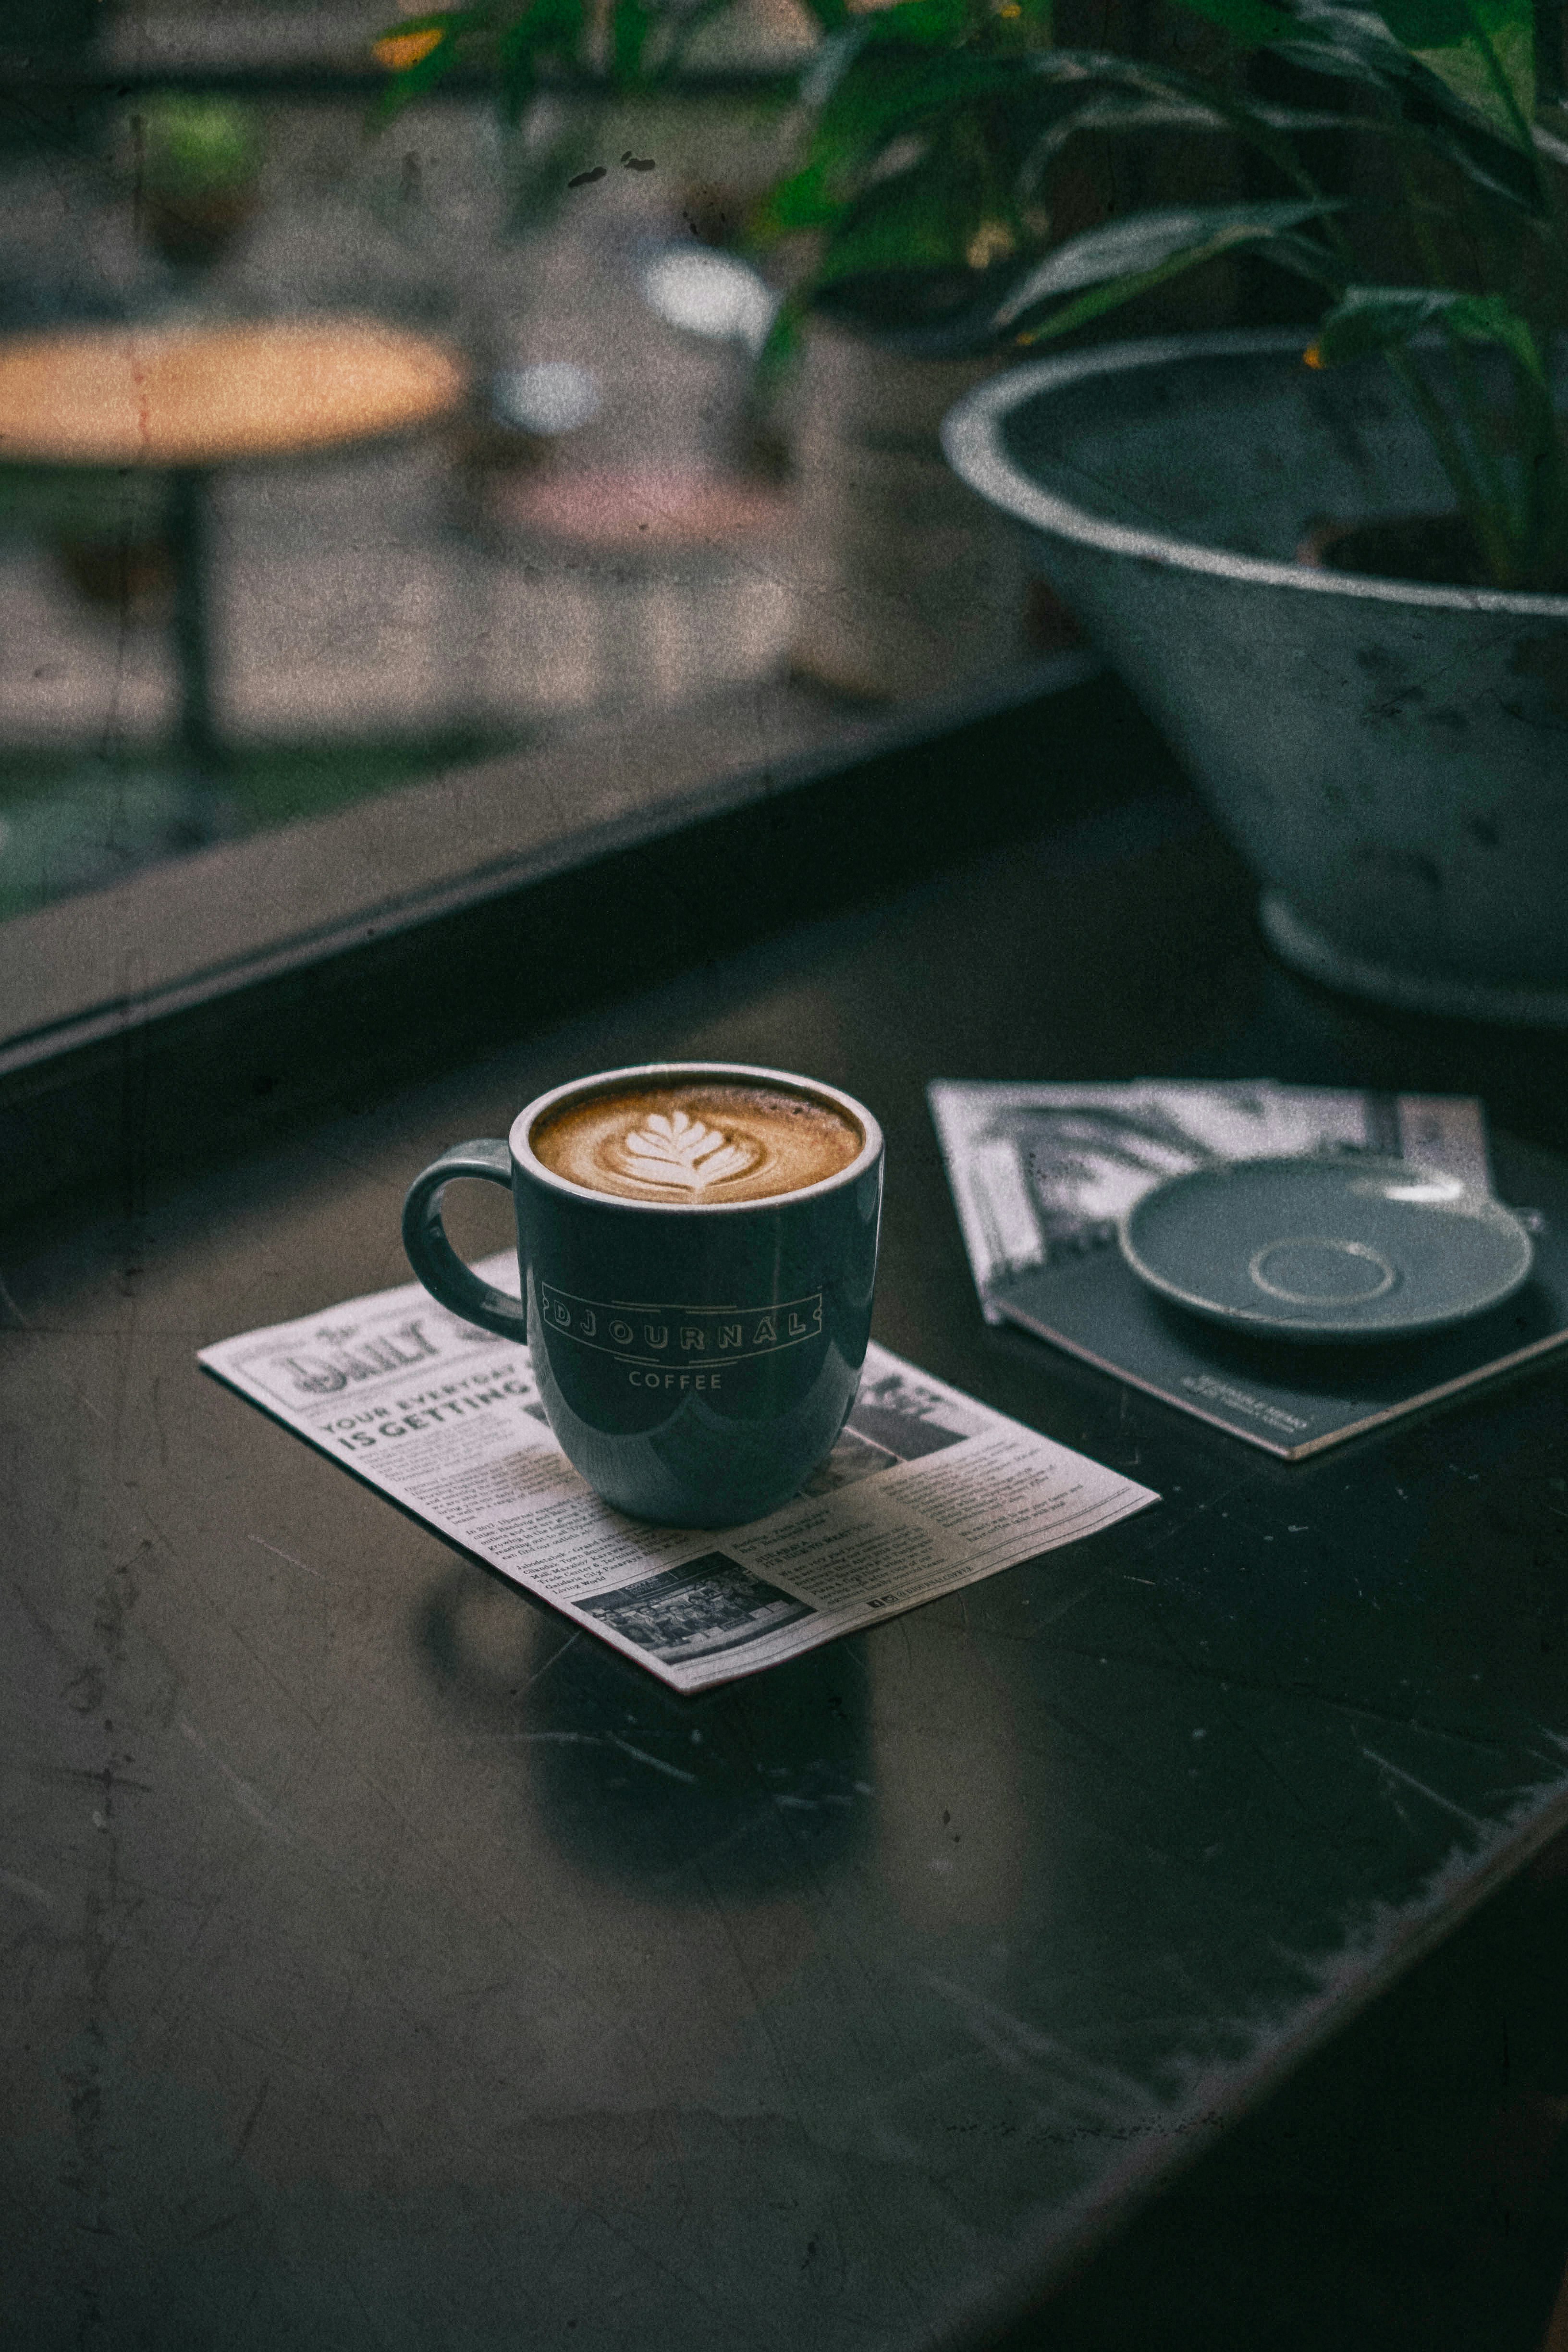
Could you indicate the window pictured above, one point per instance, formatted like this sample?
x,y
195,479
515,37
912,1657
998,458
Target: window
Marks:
x,y
265,700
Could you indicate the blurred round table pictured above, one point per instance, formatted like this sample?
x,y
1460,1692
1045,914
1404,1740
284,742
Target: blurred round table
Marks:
x,y
184,400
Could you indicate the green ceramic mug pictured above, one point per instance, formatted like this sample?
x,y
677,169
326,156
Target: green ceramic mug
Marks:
x,y
697,1242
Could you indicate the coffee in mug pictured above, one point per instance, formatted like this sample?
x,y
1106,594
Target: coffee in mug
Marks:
x,y
696,1243
711,1141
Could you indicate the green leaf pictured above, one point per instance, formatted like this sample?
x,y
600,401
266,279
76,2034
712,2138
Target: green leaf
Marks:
x,y
833,59
1383,318
1082,78
922,219
1351,45
631,23
779,352
1118,113
1509,470
881,95
1126,256
1020,109
1490,143
803,201
1483,50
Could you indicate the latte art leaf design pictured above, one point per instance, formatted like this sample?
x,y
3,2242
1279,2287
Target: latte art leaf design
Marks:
x,y
677,1151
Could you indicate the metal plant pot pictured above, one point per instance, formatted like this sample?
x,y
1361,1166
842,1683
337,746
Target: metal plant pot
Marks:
x,y
899,592
1392,759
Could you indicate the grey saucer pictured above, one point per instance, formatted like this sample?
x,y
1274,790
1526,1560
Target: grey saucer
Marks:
x,y
1321,1247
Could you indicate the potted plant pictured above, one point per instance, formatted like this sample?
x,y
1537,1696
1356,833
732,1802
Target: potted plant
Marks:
x,y
1237,519
197,164
1333,561
904,586
910,209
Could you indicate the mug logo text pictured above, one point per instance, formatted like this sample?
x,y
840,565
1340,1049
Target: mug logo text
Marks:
x,y
681,1337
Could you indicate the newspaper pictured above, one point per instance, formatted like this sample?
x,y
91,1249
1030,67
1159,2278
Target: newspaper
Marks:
x,y
927,1490
1040,1173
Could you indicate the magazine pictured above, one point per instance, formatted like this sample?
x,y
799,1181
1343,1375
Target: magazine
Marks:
x,y
1041,1174
925,1491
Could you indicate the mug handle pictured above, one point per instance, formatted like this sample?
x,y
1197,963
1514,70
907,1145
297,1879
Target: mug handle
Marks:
x,y
431,1255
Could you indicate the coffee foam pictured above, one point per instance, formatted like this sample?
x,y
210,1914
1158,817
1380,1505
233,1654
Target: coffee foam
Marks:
x,y
695,1142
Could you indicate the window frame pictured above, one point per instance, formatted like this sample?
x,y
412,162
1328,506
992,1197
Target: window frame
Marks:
x,y
545,881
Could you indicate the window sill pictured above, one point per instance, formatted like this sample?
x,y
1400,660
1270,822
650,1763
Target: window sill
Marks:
x,y
206,1000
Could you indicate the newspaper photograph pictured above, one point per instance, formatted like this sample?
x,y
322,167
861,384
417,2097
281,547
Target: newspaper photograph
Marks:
x,y
1040,1173
927,1490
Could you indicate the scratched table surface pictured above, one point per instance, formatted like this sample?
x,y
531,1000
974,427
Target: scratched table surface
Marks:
x,y
388,1964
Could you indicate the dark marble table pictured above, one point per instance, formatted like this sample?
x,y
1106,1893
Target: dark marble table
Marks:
x,y
388,1964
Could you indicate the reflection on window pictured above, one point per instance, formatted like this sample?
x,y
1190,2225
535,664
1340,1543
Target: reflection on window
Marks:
x,y
246,578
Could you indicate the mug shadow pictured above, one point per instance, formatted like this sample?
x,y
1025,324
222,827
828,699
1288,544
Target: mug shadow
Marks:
x,y
742,1792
